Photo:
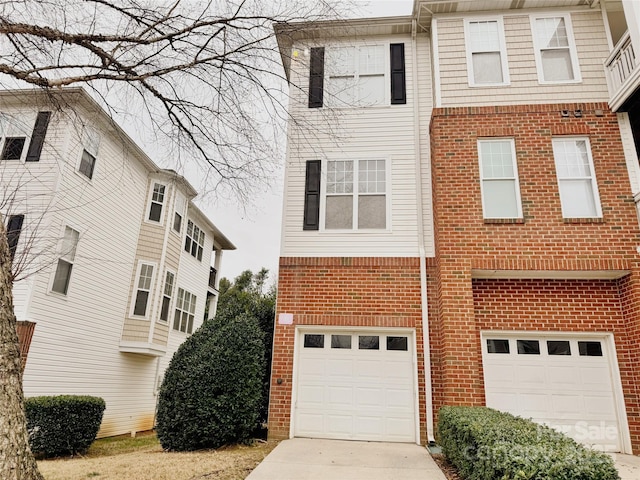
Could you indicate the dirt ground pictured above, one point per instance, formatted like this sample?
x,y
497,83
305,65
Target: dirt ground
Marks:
x,y
142,458
449,470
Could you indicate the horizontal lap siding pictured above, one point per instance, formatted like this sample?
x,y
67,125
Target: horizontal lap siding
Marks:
x,y
591,45
75,349
385,132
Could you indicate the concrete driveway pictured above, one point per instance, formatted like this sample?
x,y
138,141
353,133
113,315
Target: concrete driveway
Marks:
x,y
628,466
314,459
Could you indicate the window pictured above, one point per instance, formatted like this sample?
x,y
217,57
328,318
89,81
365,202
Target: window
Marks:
x,y
313,341
14,227
356,76
157,200
486,53
91,144
528,347
576,179
87,164
13,147
194,240
166,296
559,347
497,346
179,212
185,311
356,195
66,260
499,179
341,341
368,342
143,290
590,349
14,132
555,49
397,343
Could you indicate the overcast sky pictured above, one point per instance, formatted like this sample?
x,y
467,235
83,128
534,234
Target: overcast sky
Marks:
x,y
256,231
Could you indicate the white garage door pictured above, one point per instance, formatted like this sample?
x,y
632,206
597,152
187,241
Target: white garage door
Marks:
x,y
564,382
355,386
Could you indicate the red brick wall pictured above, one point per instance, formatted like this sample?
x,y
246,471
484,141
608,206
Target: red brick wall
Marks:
x,y
543,240
371,292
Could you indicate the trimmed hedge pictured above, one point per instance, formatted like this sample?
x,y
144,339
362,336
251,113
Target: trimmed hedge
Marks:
x,y
485,444
64,424
212,390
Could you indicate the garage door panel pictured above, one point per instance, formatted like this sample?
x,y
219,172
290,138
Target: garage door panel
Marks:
x,y
356,393
567,384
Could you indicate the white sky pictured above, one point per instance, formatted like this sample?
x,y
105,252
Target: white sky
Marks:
x,y
256,231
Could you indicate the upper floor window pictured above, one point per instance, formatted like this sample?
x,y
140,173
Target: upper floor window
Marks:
x,y
486,53
157,201
185,311
355,195
194,240
143,289
14,227
499,179
167,293
90,143
357,76
576,178
16,132
179,212
555,49
66,261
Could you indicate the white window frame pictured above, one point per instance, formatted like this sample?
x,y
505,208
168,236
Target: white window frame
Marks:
x,y
594,182
506,80
90,144
331,101
355,194
150,201
179,208
11,126
179,307
63,254
190,238
515,173
573,52
170,296
136,288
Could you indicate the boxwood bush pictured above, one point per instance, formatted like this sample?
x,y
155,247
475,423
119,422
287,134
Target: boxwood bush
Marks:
x,y
64,424
212,390
485,444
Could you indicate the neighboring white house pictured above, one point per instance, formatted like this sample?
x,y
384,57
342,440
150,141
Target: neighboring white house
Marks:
x,y
114,262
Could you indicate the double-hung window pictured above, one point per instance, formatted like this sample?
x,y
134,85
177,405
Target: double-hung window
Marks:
x,y
143,289
178,213
194,240
90,143
65,261
157,202
499,179
166,295
356,76
356,195
576,178
555,49
486,53
185,311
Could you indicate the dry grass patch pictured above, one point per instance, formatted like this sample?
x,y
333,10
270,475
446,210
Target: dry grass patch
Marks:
x,y
142,458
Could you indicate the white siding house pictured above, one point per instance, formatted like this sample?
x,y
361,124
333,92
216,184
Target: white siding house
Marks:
x,y
100,256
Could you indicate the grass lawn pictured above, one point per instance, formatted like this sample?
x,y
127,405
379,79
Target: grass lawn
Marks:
x,y
142,458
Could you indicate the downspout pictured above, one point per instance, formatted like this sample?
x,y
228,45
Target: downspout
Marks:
x,y
422,251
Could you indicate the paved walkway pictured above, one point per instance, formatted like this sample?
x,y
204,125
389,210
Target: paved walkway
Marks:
x,y
313,459
628,466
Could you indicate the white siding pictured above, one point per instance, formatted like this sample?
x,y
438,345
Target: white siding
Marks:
x,y
591,45
382,132
75,349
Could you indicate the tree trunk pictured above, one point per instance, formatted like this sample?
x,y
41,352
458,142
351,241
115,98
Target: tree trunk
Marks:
x,y
16,460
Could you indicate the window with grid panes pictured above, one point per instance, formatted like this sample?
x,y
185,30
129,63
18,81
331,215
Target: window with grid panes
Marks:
x,y
185,311
194,240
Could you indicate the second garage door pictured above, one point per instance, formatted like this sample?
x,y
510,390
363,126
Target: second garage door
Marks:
x,y
567,382
356,385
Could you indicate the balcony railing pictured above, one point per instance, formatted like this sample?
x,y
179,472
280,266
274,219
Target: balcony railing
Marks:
x,y
622,71
212,277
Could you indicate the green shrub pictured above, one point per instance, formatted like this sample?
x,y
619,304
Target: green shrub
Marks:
x,y
212,390
485,444
63,425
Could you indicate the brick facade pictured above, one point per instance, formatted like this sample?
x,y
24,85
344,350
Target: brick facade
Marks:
x,y
357,292
542,241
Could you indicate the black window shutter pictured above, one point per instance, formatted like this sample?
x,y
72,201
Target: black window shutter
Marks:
x,y
37,139
312,196
14,227
316,77
398,82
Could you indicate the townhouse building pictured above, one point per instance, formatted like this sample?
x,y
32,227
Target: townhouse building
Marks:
x,y
114,263
459,222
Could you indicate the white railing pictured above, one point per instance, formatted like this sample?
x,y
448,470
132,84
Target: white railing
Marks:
x,y
620,64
